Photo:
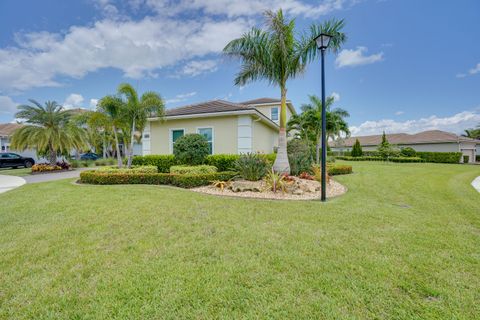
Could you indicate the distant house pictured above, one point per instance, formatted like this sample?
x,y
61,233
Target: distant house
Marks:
x,y
432,141
6,132
250,126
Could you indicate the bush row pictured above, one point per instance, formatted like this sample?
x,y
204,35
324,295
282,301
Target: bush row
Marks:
x,y
338,169
201,169
133,169
440,157
223,162
391,159
183,181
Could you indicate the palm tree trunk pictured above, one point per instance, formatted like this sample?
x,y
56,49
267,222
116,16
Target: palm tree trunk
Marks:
x,y
104,148
130,152
119,156
281,164
52,156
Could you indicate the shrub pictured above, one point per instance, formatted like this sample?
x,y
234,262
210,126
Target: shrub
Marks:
x,y
45,167
306,176
276,181
191,149
338,169
133,169
252,166
440,157
408,152
162,162
406,159
184,181
64,165
202,169
223,162
356,149
299,156
317,173
269,157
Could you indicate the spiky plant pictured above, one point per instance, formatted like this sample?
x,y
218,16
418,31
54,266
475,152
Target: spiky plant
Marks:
x,y
48,129
276,55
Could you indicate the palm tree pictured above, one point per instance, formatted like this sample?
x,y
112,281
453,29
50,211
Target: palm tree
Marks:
x,y
472,133
49,130
111,107
308,124
276,55
137,111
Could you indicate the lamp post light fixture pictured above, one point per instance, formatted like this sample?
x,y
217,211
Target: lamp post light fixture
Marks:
x,y
323,40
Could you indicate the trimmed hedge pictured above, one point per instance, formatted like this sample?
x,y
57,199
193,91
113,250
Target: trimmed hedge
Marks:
x,y
133,169
391,159
440,157
179,180
223,162
163,162
201,169
338,169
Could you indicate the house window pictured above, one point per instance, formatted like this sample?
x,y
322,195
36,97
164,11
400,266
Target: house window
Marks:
x,y
208,134
176,133
274,113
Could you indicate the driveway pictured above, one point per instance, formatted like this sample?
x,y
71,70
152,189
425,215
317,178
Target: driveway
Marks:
x,y
44,177
10,182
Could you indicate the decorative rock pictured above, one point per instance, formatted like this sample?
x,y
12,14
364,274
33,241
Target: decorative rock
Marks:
x,y
297,192
242,186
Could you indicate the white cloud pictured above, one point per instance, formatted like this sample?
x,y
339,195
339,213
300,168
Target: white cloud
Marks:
x,y
235,8
471,72
456,123
399,113
181,97
357,57
7,105
138,48
93,103
197,67
74,100
336,96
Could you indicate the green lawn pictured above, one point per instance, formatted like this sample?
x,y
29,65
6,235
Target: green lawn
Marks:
x,y
15,172
403,243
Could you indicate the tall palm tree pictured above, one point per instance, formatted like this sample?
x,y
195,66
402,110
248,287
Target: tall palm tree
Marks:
x,y
309,123
276,55
472,133
49,130
111,107
137,111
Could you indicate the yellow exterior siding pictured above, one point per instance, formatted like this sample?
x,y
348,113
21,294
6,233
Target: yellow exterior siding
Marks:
x,y
224,133
265,138
266,110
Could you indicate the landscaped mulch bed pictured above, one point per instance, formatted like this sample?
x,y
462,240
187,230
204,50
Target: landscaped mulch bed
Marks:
x,y
334,189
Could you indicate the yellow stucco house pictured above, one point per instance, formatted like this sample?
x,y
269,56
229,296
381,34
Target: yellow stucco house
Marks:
x,y
233,128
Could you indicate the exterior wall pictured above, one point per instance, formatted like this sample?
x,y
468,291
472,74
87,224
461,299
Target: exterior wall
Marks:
x,y
224,133
265,138
5,147
266,110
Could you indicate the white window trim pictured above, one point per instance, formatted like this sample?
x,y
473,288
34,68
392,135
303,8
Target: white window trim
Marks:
x,y
213,136
170,137
278,113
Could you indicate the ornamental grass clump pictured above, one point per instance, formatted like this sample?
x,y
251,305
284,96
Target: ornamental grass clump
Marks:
x,y
252,166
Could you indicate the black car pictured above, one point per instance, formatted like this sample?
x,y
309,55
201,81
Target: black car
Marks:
x,y
89,156
13,160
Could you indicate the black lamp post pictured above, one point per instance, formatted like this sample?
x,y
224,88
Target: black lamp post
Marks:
x,y
322,43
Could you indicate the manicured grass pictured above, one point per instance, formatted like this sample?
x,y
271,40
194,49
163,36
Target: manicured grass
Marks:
x,y
403,243
15,172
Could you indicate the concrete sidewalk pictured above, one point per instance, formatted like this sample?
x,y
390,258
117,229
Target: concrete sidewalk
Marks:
x,y
10,182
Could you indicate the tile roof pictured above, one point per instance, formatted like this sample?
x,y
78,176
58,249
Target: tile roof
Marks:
x,y
7,129
213,106
431,136
261,101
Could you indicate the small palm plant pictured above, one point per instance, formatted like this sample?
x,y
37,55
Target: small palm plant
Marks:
x,y
276,181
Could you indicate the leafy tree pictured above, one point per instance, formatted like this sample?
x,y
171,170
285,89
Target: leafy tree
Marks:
x,y
408,152
385,149
191,149
276,55
136,111
308,124
357,149
49,130
472,133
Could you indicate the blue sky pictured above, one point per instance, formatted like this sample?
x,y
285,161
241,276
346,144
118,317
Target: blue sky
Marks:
x,y
407,66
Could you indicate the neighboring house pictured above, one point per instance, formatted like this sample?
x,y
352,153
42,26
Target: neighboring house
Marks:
x,y
6,132
432,141
250,126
